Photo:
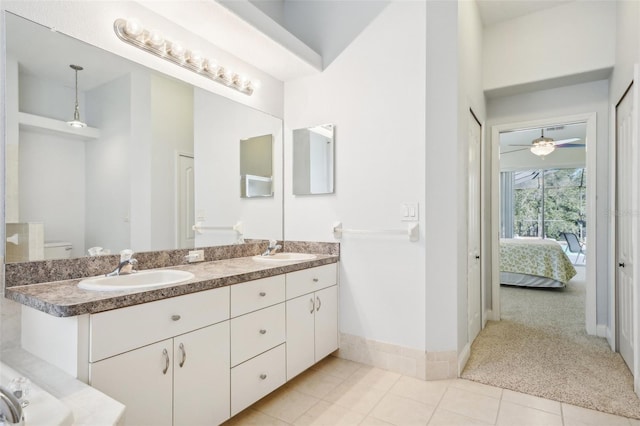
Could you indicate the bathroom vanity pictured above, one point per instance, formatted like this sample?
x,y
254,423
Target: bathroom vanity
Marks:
x,y
193,353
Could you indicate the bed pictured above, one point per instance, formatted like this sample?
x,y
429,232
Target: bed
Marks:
x,y
534,263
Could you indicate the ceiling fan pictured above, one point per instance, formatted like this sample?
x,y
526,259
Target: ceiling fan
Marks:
x,y
543,146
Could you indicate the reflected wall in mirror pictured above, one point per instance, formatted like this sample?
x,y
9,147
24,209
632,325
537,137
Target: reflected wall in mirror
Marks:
x,y
256,167
313,160
157,155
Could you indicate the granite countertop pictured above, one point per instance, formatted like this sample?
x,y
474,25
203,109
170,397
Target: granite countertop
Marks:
x,y
65,299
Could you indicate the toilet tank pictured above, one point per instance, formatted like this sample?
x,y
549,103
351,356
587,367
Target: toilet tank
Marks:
x,y
57,250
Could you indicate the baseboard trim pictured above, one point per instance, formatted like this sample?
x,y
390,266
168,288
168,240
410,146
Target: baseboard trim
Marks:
x,y
463,358
603,331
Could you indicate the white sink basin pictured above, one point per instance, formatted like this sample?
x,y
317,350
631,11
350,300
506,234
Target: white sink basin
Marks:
x,y
285,257
137,280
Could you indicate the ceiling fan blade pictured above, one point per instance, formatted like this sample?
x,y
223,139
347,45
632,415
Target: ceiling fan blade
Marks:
x,y
515,150
566,141
571,145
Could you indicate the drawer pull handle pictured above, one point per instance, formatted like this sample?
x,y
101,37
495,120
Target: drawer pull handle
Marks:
x,y
319,304
175,317
311,306
184,355
165,354
263,331
263,376
263,294
315,280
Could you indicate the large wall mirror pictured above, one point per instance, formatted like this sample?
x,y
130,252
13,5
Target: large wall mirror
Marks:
x,y
157,157
313,154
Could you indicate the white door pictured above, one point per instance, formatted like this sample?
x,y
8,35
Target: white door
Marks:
x,y
201,379
186,202
473,229
326,322
142,380
626,181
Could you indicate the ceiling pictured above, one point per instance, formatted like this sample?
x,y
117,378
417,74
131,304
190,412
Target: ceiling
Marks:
x,y
496,11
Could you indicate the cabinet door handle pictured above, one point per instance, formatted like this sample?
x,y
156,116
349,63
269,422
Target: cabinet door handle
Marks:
x,y
621,264
184,355
311,306
263,331
263,294
175,317
315,280
165,354
319,304
263,376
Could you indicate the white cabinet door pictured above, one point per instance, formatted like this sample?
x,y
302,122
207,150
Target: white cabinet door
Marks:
x,y
300,334
201,376
326,322
142,380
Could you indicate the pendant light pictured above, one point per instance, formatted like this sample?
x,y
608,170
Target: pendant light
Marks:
x,y
76,113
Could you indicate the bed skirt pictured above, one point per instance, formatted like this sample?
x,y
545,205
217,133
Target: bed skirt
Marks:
x,y
526,280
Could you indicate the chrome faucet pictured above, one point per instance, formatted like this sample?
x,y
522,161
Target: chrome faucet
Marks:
x,y
273,247
126,264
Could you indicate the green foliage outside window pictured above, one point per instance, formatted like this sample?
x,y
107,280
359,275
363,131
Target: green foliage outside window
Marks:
x,y
564,192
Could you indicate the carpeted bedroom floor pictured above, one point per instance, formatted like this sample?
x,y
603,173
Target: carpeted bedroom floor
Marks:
x,y
541,348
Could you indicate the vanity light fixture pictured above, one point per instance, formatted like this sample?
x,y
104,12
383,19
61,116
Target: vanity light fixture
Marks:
x,y
76,113
154,42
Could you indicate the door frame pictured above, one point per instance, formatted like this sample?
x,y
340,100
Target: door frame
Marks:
x,y
590,142
176,201
481,233
613,241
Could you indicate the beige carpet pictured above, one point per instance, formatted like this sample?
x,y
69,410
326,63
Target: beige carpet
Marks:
x,y
540,348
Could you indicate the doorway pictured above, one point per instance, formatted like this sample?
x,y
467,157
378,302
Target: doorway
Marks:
x,y
590,120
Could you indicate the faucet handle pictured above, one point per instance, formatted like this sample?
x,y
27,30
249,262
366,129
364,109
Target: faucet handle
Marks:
x,y
126,255
273,243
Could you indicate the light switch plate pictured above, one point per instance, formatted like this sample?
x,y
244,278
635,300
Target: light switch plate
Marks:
x,y
410,212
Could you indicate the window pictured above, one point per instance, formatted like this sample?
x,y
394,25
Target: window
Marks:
x,y
543,203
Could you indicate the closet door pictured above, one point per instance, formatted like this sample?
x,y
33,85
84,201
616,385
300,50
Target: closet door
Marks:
x,y
626,202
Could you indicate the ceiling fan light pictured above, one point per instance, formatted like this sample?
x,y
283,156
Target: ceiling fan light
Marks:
x,y
542,147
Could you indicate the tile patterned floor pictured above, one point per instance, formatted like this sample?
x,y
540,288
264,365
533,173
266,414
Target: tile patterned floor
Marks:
x,y
339,392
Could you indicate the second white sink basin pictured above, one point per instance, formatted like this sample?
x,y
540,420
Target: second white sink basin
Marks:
x,y
285,257
137,280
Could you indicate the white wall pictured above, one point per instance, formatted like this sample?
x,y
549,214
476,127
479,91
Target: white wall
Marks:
x,y
374,93
171,132
219,125
627,47
571,39
577,99
108,160
49,192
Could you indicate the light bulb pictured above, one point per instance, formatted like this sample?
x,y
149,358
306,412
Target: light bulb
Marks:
x,y
133,27
177,50
156,39
211,66
196,59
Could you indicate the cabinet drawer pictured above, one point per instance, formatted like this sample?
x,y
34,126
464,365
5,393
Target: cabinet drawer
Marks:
x,y
256,378
310,280
257,332
258,294
121,330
